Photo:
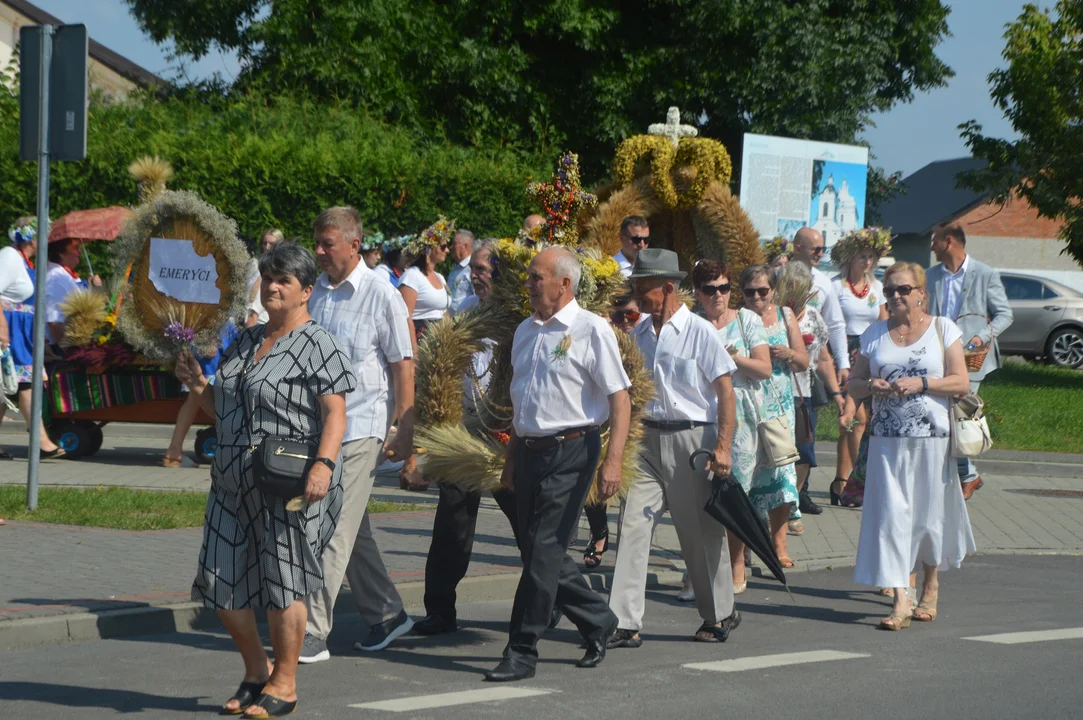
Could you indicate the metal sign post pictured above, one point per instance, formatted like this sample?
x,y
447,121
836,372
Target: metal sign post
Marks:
x,y
53,80
42,266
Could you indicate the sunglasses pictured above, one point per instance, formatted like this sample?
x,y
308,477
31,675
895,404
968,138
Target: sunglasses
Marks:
x,y
902,290
819,250
753,292
631,316
639,239
715,289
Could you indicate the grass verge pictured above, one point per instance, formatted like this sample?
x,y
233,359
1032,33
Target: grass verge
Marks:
x,y
1029,407
124,509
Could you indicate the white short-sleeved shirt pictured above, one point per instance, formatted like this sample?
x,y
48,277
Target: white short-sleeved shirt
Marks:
x,y
432,304
826,301
15,285
563,371
920,415
369,318
481,362
624,264
859,313
58,284
814,333
684,359
458,281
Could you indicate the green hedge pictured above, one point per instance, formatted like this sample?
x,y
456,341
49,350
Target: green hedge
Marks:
x,y
276,164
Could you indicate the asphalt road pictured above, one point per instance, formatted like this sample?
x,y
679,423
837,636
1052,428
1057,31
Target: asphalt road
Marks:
x,y
842,667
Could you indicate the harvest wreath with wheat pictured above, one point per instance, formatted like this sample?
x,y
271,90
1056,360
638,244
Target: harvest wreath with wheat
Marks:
x,y
680,183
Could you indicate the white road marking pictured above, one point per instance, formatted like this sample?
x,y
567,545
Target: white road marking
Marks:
x,y
1030,637
466,697
766,661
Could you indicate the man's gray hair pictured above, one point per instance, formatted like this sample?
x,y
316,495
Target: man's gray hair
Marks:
x,y
488,245
343,218
290,260
567,265
466,234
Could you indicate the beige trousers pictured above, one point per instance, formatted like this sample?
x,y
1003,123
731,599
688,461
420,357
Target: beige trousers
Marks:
x,y
352,551
668,482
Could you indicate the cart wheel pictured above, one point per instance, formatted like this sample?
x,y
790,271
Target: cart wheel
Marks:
x,y
72,436
206,444
96,439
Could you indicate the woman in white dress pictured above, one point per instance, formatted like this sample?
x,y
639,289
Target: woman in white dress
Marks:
x,y
746,341
914,511
861,298
424,290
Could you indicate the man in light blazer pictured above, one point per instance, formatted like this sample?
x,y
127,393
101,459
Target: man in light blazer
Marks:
x,y
972,294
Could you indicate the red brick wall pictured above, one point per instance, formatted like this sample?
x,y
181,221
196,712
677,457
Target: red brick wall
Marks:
x,y
1015,219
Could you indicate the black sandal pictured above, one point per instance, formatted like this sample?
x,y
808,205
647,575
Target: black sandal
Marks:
x,y
718,633
592,558
273,707
245,695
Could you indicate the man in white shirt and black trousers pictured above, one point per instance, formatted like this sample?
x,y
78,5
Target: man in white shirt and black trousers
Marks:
x,y
567,380
694,408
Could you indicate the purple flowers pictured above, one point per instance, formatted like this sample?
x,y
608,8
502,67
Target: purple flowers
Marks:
x,y
176,331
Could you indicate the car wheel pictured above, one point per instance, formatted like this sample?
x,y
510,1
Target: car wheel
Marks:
x,y
1065,348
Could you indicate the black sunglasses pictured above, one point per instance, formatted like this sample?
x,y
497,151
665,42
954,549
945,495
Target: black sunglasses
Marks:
x,y
713,289
761,291
902,290
639,239
819,250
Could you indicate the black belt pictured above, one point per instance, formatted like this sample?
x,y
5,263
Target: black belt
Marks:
x,y
551,441
674,425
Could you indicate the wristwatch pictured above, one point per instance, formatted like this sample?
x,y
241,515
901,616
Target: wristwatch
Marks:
x,y
328,462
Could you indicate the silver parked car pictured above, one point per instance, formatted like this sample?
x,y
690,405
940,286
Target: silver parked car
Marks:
x,y
1048,320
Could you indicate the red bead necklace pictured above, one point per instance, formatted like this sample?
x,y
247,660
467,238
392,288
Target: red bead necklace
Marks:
x,y
860,295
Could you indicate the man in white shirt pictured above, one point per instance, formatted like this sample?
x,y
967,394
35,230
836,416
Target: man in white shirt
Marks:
x,y
60,281
808,247
567,380
458,280
369,318
635,234
694,408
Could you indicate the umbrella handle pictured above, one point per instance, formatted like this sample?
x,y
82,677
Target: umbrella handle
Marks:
x,y
87,258
696,454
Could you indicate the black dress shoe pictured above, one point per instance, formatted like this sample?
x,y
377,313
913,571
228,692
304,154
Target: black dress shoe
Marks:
x,y
510,670
435,625
554,618
806,505
594,655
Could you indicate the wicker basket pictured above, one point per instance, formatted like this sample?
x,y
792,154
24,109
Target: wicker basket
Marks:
x,y
976,358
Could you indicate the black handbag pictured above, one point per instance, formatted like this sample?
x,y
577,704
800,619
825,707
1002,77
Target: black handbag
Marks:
x,y
280,466
818,391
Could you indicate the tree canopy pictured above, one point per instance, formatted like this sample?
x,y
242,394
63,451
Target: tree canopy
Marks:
x,y
581,74
1041,93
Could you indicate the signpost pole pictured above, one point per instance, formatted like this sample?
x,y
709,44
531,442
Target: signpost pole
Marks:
x,y
42,268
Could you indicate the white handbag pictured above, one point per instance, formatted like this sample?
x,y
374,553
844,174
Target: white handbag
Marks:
x,y
9,380
969,429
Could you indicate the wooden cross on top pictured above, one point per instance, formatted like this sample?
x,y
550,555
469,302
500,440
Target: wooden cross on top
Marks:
x,y
672,127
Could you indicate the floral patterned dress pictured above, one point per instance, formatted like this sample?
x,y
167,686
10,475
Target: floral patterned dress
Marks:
x,y
743,333
775,487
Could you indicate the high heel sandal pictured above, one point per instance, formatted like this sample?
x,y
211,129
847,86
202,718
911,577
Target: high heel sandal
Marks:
x,y
927,606
592,558
896,622
836,494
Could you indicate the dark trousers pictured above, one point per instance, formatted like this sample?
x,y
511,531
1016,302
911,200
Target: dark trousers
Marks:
x,y
550,489
453,541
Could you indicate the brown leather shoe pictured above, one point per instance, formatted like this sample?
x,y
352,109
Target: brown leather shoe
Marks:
x,y
969,488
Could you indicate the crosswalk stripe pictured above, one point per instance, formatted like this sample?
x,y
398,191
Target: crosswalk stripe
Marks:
x,y
1018,638
766,661
466,697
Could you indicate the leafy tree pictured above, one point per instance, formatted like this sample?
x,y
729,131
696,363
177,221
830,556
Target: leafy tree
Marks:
x,y
1041,93
581,74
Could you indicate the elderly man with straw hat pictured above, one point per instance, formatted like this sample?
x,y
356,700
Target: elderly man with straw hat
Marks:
x,y
694,408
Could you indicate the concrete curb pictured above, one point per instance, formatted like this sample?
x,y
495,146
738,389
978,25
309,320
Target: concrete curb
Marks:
x,y
188,616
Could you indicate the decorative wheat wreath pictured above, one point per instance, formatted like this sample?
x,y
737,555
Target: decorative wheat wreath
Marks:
x,y
680,183
155,324
468,450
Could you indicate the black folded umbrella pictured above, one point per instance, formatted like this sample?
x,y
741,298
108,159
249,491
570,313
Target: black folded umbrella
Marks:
x,y
730,506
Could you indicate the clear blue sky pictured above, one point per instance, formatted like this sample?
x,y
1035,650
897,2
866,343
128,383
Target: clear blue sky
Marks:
x,y
906,138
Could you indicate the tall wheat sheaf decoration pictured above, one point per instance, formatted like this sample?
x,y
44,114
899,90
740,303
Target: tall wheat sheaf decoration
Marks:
x,y
467,449
145,312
